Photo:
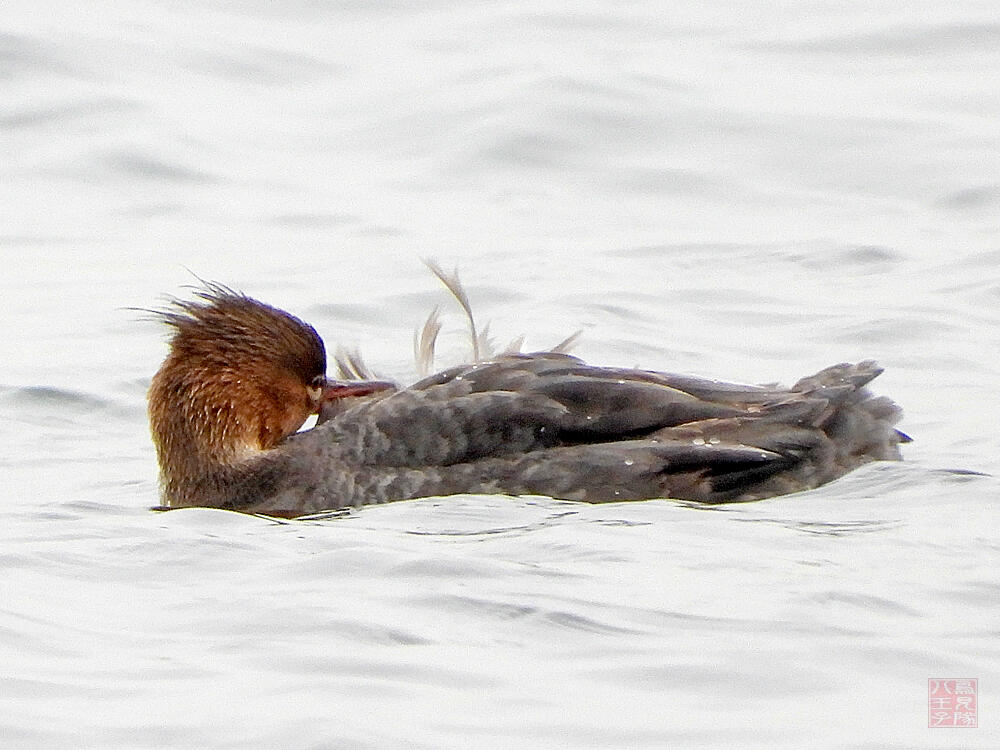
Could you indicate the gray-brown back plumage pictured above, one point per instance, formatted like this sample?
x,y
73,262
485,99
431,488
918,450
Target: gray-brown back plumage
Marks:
x,y
547,423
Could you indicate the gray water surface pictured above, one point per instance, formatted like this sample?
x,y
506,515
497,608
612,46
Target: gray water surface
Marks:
x,y
744,191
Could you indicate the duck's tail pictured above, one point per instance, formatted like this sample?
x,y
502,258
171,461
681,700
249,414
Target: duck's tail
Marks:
x,y
823,427
860,424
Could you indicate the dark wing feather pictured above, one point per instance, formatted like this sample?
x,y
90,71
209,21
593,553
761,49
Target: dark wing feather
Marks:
x,y
526,402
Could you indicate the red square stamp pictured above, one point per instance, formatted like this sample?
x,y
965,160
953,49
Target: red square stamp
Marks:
x,y
953,702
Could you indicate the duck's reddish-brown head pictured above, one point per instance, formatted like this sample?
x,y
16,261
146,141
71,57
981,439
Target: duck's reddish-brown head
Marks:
x,y
240,376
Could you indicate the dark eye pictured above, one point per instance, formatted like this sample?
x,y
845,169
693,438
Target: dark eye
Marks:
x,y
315,389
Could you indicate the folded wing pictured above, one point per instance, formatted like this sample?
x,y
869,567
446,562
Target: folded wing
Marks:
x,y
547,423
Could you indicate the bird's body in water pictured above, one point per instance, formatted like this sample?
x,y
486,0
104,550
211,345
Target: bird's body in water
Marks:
x,y
241,378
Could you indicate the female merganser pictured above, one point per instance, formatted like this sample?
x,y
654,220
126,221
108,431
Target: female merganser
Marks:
x,y
242,377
